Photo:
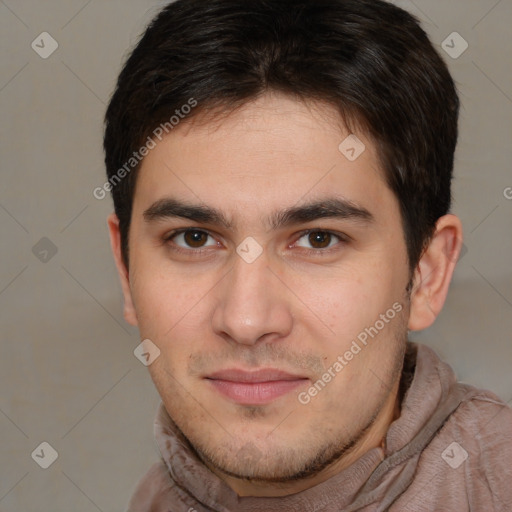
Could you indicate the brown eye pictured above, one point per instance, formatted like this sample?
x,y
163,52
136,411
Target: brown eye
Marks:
x,y
195,238
319,239
190,239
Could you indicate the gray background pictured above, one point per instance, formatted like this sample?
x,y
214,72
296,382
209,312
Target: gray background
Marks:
x,y
67,370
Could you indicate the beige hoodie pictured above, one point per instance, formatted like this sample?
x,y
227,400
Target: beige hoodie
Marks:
x,y
449,451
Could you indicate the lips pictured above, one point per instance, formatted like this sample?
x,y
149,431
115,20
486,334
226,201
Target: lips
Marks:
x,y
256,387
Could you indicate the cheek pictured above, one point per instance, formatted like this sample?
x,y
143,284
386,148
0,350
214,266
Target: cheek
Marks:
x,y
346,301
168,302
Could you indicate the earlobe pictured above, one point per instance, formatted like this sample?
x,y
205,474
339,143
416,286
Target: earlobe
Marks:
x,y
434,272
115,243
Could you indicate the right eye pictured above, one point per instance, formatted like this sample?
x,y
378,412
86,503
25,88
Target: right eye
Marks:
x,y
189,240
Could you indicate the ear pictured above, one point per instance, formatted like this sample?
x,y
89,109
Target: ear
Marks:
x,y
434,272
115,242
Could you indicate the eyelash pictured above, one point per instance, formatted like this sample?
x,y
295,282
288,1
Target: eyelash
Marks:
x,y
343,239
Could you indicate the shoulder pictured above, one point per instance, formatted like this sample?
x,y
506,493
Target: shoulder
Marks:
x,y
466,465
478,437
485,421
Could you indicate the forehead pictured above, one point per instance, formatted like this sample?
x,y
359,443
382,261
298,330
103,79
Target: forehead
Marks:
x,y
273,152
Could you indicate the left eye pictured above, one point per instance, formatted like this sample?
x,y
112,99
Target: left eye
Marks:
x,y
319,239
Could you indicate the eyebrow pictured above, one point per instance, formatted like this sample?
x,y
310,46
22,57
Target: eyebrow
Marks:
x,y
330,207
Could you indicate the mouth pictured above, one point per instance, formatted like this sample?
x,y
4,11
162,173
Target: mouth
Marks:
x,y
256,387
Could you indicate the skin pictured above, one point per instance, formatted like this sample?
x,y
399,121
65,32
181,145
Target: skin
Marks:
x,y
297,307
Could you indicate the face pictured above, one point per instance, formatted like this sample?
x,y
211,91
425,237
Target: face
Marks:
x,y
270,270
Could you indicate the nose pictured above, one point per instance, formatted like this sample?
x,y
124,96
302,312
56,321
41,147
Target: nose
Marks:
x,y
252,304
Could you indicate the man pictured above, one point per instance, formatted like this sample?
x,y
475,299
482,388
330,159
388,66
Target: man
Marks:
x,y
281,179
